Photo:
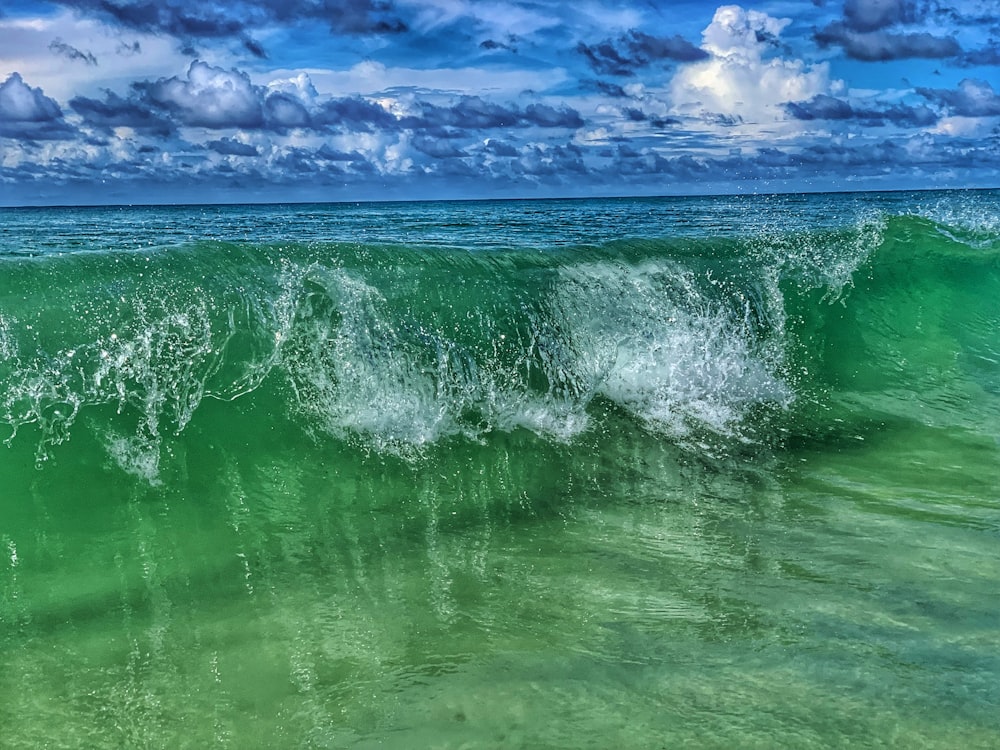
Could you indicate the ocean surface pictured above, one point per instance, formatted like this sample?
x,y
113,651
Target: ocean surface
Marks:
x,y
632,473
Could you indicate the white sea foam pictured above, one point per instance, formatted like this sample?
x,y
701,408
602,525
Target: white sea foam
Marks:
x,y
975,218
156,367
354,373
137,455
8,342
653,341
362,371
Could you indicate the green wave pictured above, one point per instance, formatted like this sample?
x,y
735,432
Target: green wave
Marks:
x,y
713,344
913,337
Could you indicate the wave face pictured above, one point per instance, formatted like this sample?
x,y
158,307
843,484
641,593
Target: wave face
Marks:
x,y
711,341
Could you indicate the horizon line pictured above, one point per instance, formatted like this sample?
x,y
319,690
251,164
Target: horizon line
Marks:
x,y
396,201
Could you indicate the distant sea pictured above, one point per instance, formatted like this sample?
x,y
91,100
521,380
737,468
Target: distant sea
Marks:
x,y
627,473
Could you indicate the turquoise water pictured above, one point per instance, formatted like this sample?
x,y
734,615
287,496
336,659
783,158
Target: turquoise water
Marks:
x,y
637,473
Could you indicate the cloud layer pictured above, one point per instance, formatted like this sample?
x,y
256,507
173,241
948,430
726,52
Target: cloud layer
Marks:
x,y
335,99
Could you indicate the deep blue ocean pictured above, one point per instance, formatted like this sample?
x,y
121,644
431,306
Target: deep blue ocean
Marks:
x,y
617,473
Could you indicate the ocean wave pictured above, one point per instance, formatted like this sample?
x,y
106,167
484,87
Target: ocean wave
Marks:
x,y
394,349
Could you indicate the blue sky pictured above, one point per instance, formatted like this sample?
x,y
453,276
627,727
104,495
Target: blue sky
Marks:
x,y
166,101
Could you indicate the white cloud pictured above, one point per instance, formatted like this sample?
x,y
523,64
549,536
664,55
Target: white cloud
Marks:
x,y
594,136
211,97
20,102
738,80
370,77
300,86
967,127
738,33
394,159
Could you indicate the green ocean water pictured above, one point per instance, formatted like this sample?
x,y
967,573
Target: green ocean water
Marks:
x,y
650,473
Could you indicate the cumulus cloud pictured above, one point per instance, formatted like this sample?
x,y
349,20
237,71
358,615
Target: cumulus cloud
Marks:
x,y
115,111
210,97
825,107
871,161
871,15
545,116
439,148
636,49
300,86
284,111
883,45
988,56
301,161
19,102
639,114
219,99
354,113
469,113
865,32
741,34
972,98
738,80
232,147
327,162
499,147
476,113
328,153
27,113
553,162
